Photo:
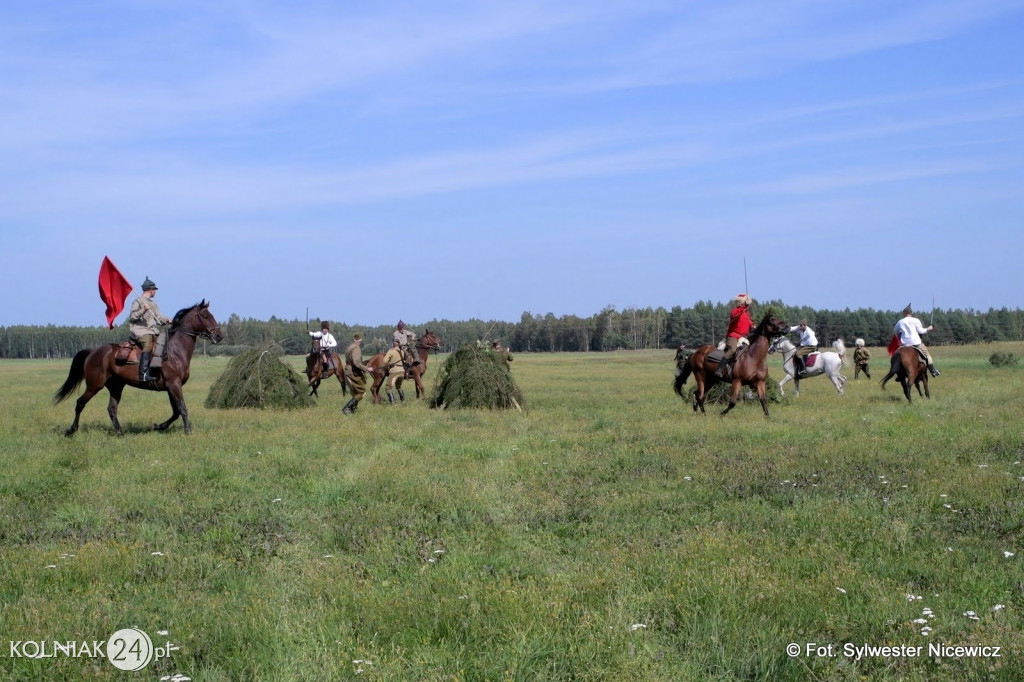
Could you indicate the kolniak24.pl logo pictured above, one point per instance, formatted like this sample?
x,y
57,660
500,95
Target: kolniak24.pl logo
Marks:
x,y
127,649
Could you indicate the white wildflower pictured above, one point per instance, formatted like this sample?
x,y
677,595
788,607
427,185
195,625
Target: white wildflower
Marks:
x,y
841,590
1007,554
636,626
998,607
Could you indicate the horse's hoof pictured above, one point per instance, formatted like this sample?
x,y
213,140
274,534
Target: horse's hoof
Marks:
x,y
69,432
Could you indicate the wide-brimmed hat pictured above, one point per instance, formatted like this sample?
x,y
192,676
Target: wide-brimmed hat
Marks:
x,y
149,285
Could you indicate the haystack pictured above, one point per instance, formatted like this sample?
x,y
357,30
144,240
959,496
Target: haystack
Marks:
x,y
722,391
474,376
258,378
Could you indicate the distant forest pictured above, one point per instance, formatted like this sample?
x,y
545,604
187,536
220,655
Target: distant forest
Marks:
x,y
610,329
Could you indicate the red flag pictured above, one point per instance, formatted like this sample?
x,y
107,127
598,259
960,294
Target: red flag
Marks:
x,y
114,289
894,344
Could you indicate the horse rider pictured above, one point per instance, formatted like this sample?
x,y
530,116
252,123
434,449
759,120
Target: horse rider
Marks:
x,y
393,370
355,373
403,336
327,344
143,320
909,329
861,356
808,344
504,354
740,325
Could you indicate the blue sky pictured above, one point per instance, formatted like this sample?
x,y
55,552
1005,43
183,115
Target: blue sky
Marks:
x,y
377,161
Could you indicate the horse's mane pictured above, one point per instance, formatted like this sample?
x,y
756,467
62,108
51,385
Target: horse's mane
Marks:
x,y
180,315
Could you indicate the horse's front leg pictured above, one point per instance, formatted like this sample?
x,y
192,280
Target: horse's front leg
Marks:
x,y
733,398
115,391
178,409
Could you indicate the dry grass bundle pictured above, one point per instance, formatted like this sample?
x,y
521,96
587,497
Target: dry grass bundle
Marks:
x,y
475,377
721,392
257,378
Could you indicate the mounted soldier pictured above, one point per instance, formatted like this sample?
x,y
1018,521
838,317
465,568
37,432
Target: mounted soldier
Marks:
x,y
326,344
909,330
739,326
403,337
144,320
808,345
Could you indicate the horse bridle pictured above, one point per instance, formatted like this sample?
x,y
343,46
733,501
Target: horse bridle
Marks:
x,y
207,333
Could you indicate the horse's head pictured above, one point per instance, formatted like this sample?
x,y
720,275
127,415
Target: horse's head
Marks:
x,y
430,340
771,326
198,321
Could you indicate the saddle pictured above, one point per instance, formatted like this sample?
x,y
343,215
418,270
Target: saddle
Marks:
x,y
810,359
129,352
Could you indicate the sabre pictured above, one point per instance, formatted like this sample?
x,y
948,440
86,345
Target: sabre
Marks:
x,y
932,317
746,287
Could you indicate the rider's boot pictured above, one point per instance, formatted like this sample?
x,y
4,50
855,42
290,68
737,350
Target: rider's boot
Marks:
x,y
401,395
350,407
723,369
415,357
935,372
391,398
144,367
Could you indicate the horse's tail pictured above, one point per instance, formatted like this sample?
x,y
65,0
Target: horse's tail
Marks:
x,y
75,377
841,350
681,377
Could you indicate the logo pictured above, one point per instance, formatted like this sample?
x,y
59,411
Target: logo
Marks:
x,y
130,649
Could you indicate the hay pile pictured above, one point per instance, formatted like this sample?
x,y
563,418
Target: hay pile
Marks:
x,y
257,378
474,376
721,392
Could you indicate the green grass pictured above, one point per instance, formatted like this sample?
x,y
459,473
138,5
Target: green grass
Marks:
x,y
606,533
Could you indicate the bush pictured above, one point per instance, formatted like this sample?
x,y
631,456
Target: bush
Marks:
x,y
474,376
257,378
1000,359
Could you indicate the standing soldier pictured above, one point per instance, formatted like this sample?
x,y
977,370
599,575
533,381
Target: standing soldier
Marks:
x,y
355,373
504,354
394,371
143,320
861,356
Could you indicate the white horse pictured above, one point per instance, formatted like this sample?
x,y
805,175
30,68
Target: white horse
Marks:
x,y
828,363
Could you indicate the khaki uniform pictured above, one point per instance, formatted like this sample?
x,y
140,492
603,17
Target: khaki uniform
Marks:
x,y
396,372
861,356
143,320
355,370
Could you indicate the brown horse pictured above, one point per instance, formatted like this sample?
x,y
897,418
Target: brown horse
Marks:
x,y
97,368
749,369
426,343
315,369
910,369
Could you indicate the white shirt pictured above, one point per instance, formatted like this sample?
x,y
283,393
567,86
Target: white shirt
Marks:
x,y
807,337
326,339
909,329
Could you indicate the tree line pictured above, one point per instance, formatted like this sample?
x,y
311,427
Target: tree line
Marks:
x,y
610,329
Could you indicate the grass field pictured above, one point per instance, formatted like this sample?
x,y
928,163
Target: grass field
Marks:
x,y
605,533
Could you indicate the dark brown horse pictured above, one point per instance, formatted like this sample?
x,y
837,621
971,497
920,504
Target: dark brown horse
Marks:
x,y
315,369
426,343
96,367
910,369
749,369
